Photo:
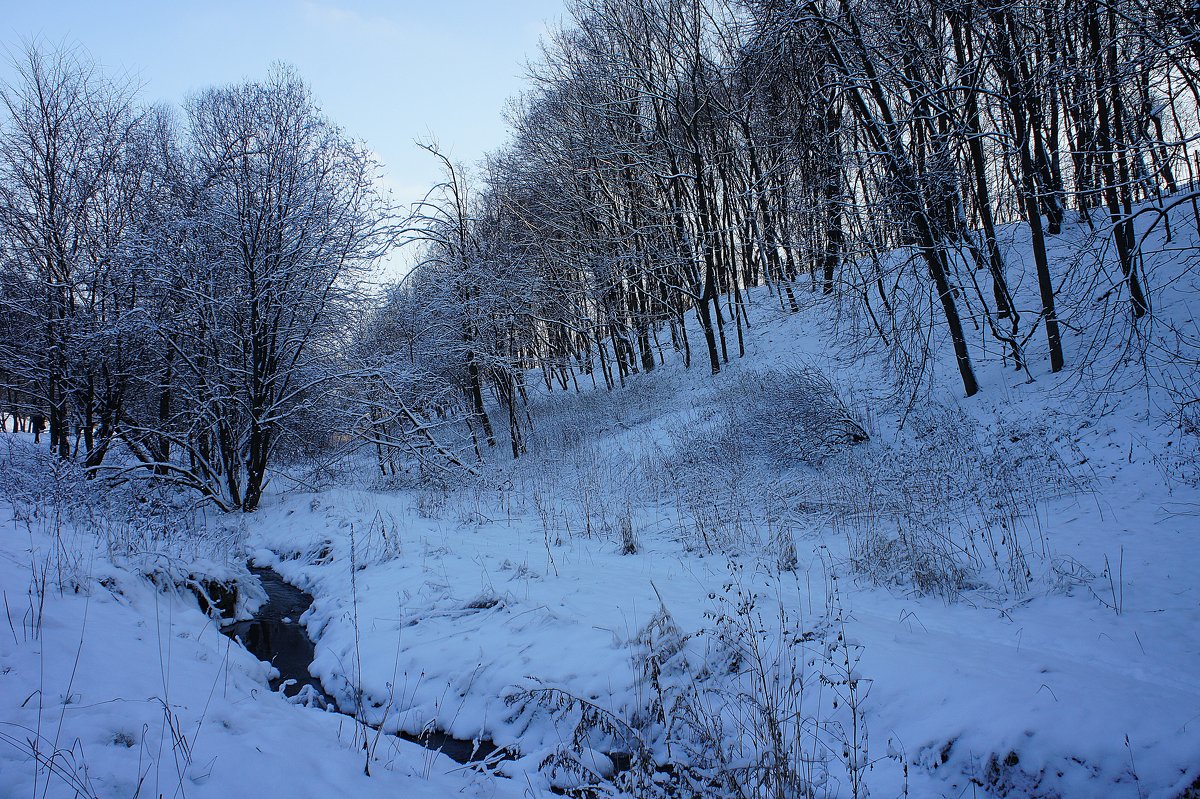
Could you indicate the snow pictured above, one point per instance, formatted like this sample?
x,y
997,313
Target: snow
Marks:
x,y
132,690
455,609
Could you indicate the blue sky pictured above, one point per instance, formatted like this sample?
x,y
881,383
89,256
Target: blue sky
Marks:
x,y
387,72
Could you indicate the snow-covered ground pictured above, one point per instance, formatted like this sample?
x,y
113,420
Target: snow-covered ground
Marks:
x,y
630,588
119,689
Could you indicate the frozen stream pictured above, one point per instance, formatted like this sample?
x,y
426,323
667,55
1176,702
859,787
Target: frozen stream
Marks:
x,y
276,635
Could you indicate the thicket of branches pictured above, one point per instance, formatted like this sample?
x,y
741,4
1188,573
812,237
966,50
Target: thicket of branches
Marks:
x,y
174,292
672,154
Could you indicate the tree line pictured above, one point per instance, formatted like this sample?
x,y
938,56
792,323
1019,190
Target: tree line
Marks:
x,y
669,155
181,294
176,288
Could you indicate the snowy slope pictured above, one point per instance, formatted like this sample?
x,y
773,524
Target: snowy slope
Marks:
x,y
1075,678
993,596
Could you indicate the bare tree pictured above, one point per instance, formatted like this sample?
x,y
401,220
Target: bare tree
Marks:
x,y
282,220
64,132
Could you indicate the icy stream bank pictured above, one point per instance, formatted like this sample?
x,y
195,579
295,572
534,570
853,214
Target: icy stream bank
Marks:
x,y
276,635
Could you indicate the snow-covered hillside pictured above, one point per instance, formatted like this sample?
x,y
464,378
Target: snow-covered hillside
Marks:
x,y
693,585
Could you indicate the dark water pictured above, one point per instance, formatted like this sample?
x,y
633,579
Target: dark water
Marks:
x,y
276,635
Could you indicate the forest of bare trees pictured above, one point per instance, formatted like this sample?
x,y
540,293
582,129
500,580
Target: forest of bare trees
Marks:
x,y
181,293
672,154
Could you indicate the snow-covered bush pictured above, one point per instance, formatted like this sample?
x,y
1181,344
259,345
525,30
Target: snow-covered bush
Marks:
x,y
725,467
946,502
756,706
1183,461
789,416
148,527
32,478
765,421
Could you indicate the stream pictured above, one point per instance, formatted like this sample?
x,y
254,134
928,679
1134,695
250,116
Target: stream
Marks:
x,y
276,635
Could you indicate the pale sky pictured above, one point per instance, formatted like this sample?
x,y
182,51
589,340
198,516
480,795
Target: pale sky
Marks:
x,y
387,72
